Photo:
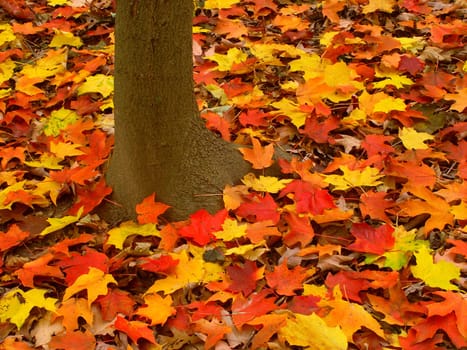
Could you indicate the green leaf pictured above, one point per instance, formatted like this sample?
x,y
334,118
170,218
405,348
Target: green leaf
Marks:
x,y
405,244
58,121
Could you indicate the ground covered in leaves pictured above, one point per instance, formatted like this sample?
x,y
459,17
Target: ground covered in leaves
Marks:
x,y
360,243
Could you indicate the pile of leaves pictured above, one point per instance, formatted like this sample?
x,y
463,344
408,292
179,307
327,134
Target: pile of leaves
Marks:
x,y
359,243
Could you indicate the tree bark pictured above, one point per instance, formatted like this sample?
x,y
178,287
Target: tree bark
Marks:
x,y
161,143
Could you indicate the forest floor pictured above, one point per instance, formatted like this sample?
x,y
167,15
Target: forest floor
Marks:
x,y
361,243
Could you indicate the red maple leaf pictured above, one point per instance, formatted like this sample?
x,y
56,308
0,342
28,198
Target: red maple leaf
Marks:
x,y
300,230
236,87
308,198
79,263
254,117
372,240
377,144
318,130
163,264
259,208
17,9
257,304
114,302
304,304
135,329
217,123
351,283
205,310
90,197
202,225
410,64
426,330
244,278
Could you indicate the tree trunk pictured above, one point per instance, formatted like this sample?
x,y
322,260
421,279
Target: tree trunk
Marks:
x,y
161,143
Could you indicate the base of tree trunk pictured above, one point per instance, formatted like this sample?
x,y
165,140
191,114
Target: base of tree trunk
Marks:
x,y
187,183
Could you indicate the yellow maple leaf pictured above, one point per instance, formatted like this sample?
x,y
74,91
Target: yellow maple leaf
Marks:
x,y
392,78
341,75
412,139
59,223
46,161
291,110
62,38
389,104
312,332
310,64
266,53
157,308
437,275
10,189
219,4
248,251
118,235
379,5
356,117
460,211
231,230
6,34
53,63
354,178
57,2
460,98
225,62
95,282
269,184
16,305
63,149
189,270
7,69
233,196
100,83
49,187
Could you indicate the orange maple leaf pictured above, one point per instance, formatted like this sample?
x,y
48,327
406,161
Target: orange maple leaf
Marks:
x,y
286,281
149,210
260,157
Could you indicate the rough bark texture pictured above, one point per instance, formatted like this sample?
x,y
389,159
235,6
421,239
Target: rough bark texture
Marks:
x,y
161,142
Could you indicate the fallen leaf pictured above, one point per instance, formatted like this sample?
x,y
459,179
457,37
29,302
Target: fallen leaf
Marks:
x,y
260,157
94,282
